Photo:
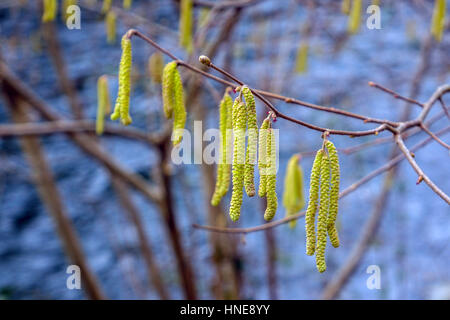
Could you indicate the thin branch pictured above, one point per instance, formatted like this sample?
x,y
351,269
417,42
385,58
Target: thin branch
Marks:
x,y
444,107
75,126
422,175
257,93
442,143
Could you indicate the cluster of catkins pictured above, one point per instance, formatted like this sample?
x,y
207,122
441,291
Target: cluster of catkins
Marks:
x,y
324,182
235,119
172,92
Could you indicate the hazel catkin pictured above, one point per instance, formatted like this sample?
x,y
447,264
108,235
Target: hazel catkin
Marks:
x,y
354,21
122,106
438,21
250,158
271,194
103,103
239,115
293,195
186,18
106,6
322,219
314,185
334,194
110,22
50,10
223,172
156,66
262,157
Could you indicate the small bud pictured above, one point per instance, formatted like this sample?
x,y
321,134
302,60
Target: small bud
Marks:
x,y
205,60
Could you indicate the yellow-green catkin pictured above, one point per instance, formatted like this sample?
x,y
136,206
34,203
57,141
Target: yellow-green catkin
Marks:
x,y
262,157
301,61
65,5
122,106
322,219
228,150
223,173
354,21
310,216
334,194
345,6
156,66
376,2
103,103
173,100
168,85
106,6
293,195
186,18
203,17
110,22
271,178
50,10
438,22
239,115
127,4
252,127
179,111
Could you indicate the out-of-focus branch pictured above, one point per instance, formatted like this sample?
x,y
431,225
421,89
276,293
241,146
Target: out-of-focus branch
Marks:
x,y
51,197
76,126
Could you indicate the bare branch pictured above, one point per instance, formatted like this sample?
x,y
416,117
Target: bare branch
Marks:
x,y
395,94
413,163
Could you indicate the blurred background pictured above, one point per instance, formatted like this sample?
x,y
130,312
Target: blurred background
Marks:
x,y
116,205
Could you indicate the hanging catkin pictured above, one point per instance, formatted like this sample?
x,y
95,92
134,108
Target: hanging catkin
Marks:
x,y
110,21
168,85
239,116
106,6
271,194
186,17
250,158
228,150
334,194
156,66
127,4
322,219
223,172
438,22
103,103
345,6
262,157
314,185
293,195
173,100
50,10
122,106
301,62
355,17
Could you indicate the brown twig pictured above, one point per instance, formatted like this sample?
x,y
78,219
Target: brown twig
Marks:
x,y
395,94
419,171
